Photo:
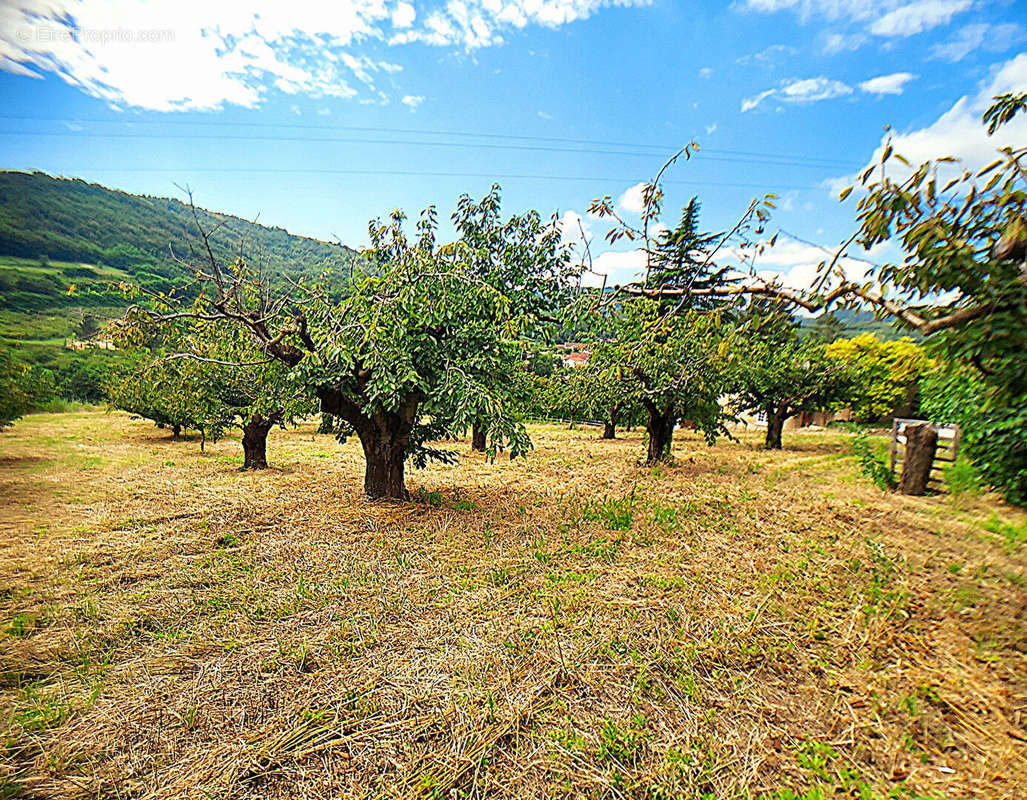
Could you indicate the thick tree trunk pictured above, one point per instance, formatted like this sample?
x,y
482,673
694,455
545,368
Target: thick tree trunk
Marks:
x,y
385,458
385,437
176,431
775,424
478,437
661,433
254,442
921,444
610,426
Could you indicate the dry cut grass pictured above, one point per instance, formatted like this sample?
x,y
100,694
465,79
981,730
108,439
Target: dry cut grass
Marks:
x,y
572,625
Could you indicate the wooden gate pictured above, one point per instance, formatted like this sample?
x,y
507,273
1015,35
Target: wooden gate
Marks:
x,y
948,443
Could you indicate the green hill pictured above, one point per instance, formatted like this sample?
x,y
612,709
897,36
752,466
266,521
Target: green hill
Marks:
x,y
66,228
66,244
844,323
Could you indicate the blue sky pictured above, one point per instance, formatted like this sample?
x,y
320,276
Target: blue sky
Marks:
x,y
319,116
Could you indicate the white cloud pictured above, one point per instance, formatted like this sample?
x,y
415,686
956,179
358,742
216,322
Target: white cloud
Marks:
x,y
840,42
978,36
572,224
711,128
412,101
631,201
813,90
544,115
804,90
403,15
795,264
959,132
887,84
706,72
481,23
618,267
832,9
768,56
887,18
917,17
198,55
749,103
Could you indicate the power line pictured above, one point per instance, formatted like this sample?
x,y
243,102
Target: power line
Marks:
x,y
717,154
431,174
395,142
391,142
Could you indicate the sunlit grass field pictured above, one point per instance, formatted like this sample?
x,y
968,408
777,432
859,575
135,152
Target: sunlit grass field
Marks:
x,y
741,623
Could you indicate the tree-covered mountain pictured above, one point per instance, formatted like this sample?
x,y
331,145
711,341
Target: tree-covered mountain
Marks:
x,y
46,219
66,246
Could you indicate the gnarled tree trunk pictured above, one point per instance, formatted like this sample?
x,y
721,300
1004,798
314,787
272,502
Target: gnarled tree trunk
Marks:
x,y
176,431
478,437
384,436
921,445
254,442
661,433
385,454
610,426
775,424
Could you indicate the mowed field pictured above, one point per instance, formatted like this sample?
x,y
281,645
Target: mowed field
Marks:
x,y
741,623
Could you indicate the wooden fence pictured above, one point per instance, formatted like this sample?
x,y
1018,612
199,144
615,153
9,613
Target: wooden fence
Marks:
x,y
948,443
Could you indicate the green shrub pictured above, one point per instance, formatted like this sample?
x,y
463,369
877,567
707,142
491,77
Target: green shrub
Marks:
x,y
961,478
993,426
23,388
873,465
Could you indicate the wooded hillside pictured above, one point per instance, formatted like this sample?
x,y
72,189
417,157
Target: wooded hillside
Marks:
x,y
58,219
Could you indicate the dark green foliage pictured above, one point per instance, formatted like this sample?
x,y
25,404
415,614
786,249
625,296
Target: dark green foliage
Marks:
x,y
961,477
826,328
777,374
52,230
82,378
89,327
206,374
682,258
965,238
25,286
173,395
23,387
426,341
1005,107
845,323
540,361
671,367
994,428
125,255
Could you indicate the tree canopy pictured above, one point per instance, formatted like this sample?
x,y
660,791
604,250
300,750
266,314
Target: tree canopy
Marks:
x,y
777,374
23,387
673,366
411,353
886,374
231,382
